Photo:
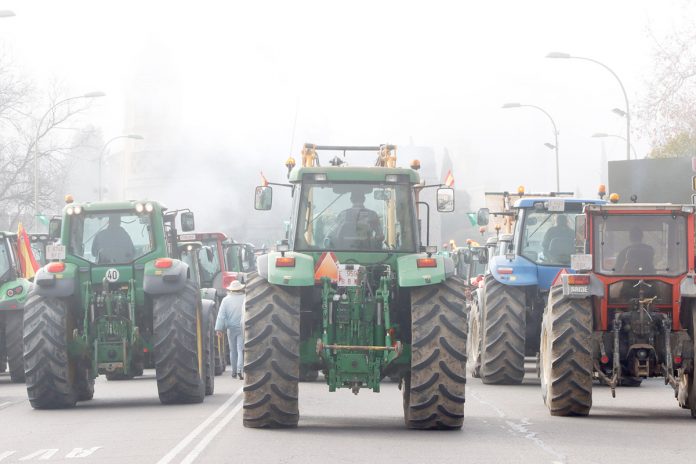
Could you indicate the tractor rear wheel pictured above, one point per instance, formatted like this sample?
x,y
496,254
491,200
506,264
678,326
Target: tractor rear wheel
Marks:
x,y
473,347
308,374
50,372
271,355
566,355
84,384
502,333
209,345
178,346
434,389
13,330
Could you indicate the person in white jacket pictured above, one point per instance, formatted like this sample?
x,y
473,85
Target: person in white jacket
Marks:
x,y
230,318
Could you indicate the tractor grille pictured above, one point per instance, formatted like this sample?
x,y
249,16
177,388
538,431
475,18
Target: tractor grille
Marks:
x,y
623,292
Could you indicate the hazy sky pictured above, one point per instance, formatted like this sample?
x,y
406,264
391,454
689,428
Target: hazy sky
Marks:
x,y
434,73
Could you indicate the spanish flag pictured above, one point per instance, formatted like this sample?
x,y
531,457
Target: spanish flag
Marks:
x,y
264,181
27,262
449,180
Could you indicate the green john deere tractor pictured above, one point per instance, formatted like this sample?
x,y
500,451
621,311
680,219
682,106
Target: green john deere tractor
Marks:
x,y
114,293
354,293
13,294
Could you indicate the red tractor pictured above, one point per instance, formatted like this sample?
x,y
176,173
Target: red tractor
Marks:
x,y
628,312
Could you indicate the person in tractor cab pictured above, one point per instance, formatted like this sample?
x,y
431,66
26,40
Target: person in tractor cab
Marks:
x,y
230,318
357,228
113,244
636,258
559,240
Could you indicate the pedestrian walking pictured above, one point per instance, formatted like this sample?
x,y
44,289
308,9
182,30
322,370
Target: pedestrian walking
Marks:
x,y
230,318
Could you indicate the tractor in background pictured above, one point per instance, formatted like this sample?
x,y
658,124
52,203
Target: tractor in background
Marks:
x,y
356,293
14,290
115,291
627,311
38,244
514,294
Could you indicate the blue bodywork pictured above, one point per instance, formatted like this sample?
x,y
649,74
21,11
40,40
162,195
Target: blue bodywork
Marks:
x,y
524,271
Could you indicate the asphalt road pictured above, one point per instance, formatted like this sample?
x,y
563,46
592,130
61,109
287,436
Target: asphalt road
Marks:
x,y
125,423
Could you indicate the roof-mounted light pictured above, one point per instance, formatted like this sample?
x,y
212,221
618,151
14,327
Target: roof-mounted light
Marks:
x,y
614,198
391,178
78,209
320,177
149,207
139,207
520,190
69,210
415,165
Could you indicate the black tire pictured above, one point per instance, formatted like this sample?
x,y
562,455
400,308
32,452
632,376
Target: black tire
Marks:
x,y
178,346
209,349
502,333
84,384
691,398
473,347
50,372
116,376
566,355
271,355
14,329
434,389
220,356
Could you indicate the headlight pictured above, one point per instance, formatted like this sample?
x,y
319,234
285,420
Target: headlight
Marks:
x,y
149,207
78,209
139,207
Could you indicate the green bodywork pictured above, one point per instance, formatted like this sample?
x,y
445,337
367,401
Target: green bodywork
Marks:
x,y
14,289
113,318
355,334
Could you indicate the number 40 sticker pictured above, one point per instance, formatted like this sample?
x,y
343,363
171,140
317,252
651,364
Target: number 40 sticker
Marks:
x,y
112,275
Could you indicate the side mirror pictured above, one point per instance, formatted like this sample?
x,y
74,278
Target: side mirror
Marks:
x,y
54,226
445,200
187,222
580,230
263,198
483,216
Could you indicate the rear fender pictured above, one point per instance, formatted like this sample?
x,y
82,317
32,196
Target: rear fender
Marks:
x,y
13,294
160,281
301,275
524,272
410,275
56,284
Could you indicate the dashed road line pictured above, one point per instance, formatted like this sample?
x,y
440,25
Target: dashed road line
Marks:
x,y
200,428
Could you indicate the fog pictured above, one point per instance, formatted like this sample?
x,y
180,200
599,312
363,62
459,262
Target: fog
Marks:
x,y
223,90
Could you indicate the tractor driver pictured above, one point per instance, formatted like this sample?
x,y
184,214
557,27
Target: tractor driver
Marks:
x,y
113,244
559,239
357,228
636,258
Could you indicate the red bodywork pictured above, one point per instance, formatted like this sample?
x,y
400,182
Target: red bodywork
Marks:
x,y
227,276
602,306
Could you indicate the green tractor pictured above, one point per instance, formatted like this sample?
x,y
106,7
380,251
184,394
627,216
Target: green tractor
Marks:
x,y
354,293
113,293
13,294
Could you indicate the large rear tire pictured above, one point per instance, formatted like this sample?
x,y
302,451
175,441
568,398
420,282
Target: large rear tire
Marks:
x,y
50,372
209,349
473,347
502,333
434,389
13,329
566,355
178,346
271,355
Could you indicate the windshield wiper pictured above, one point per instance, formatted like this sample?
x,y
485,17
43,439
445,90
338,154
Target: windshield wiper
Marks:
x,y
324,210
539,226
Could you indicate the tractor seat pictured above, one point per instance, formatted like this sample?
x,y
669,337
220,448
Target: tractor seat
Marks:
x,y
560,249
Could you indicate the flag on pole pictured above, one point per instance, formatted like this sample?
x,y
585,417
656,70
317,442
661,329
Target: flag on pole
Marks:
x,y
264,181
27,262
449,180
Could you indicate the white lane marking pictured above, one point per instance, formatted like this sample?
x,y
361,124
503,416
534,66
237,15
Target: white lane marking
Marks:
x,y
6,454
42,454
81,452
6,403
205,441
195,432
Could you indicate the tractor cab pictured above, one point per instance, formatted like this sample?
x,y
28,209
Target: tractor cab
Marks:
x,y
38,244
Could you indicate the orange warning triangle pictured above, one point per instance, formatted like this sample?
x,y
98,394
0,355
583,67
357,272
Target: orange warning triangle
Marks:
x,y
327,266
557,280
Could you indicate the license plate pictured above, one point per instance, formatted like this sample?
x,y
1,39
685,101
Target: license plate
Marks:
x,y
55,252
579,289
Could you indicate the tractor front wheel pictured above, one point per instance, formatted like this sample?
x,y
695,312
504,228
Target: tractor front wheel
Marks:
x,y
178,346
50,372
434,389
13,337
566,355
271,355
502,333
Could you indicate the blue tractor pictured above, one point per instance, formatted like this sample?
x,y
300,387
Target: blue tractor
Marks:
x,y
506,324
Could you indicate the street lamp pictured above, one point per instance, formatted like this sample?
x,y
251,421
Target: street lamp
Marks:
x,y
600,135
555,134
36,147
623,89
103,150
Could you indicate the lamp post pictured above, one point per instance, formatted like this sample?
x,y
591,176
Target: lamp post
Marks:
x,y
555,134
623,89
600,135
36,147
103,150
